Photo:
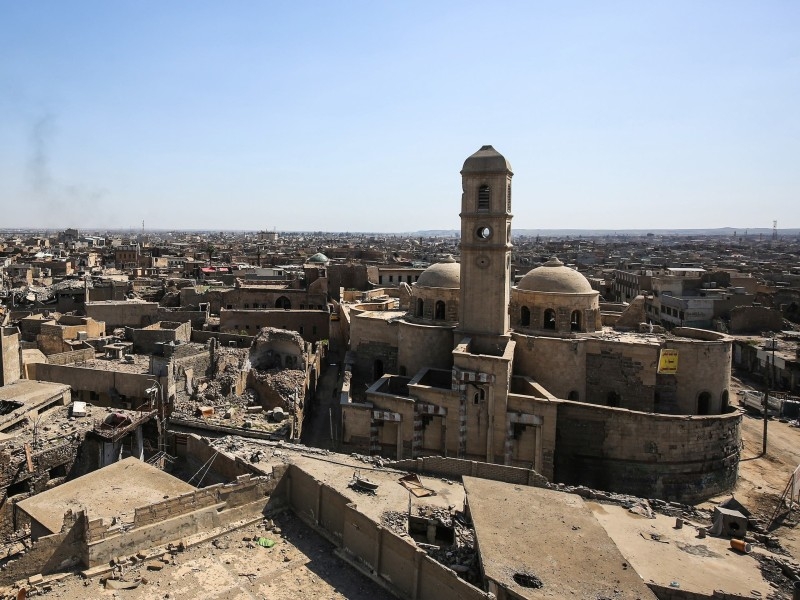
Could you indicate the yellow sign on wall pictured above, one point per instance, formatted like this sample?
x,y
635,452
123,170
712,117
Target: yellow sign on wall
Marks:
x,y
668,362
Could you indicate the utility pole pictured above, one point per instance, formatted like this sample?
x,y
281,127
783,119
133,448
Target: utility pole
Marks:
x,y
766,396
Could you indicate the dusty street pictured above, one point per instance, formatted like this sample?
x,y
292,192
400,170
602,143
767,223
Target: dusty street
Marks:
x,y
763,478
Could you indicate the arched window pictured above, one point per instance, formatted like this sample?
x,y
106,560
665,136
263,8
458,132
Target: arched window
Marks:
x,y
525,316
574,395
479,396
283,302
483,198
613,399
549,319
703,403
439,310
420,306
724,402
575,321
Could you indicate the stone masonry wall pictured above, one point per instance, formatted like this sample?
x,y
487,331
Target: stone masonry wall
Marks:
x,y
687,459
613,372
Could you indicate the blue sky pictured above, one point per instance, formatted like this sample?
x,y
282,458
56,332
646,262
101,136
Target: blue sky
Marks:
x,y
357,116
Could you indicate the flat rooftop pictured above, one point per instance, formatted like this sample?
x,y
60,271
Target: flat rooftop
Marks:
x,y
27,396
381,315
140,364
30,391
113,491
696,565
550,535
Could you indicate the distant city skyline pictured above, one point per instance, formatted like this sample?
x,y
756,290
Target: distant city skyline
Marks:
x,y
358,116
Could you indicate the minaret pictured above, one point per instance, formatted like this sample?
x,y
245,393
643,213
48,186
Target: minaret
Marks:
x,y
485,245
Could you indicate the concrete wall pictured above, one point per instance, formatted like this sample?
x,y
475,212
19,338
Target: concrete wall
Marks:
x,y
52,336
130,385
9,355
755,319
455,468
664,592
688,459
145,340
376,551
123,314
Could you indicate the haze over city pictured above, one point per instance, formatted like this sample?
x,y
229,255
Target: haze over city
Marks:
x,y
355,116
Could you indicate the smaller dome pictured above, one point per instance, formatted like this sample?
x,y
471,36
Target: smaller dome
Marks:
x,y
319,257
554,277
445,274
486,160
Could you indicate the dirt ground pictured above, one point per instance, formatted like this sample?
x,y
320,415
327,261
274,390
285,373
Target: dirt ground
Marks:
x,y
299,565
763,478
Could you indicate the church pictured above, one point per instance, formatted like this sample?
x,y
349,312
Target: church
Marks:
x,y
471,366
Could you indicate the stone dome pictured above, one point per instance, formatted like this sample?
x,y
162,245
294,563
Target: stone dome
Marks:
x,y
554,277
486,160
319,257
444,274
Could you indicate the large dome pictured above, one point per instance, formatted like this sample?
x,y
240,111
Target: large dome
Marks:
x,y
555,278
319,257
445,274
486,160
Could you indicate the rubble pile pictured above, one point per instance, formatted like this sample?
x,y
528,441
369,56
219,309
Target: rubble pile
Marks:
x,y
436,512
396,521
285,383
780,573
462,556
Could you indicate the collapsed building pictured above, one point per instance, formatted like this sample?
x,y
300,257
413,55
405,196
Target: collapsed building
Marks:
x,y
432,528
529,375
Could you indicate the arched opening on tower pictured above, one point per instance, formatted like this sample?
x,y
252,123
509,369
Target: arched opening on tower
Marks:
x,y
525,316
377,369
703,403
439,310
283,302
483,198
479,395
420,306
549,319
724,402
613,399
575,321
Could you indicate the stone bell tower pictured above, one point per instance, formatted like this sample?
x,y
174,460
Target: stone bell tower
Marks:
x,y
485,245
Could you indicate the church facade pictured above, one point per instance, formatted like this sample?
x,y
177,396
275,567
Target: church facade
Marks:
x,y
527,375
